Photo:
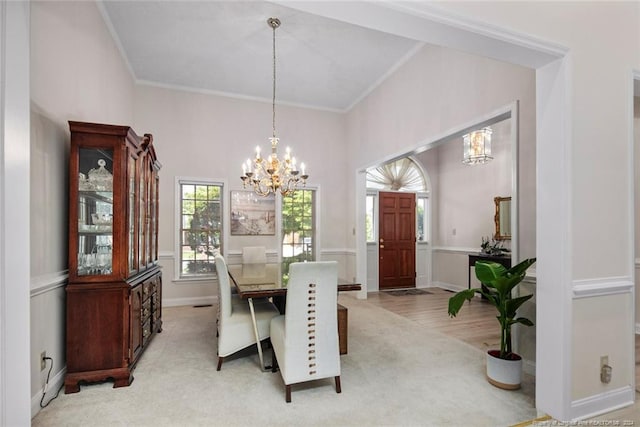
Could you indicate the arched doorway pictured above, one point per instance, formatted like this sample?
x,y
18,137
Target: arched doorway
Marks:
x,y
398,224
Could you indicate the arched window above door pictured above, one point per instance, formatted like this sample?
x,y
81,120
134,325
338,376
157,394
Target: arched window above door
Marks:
x,y
400,175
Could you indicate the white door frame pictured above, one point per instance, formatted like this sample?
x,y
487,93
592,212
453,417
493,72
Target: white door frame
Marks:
x,y
15,384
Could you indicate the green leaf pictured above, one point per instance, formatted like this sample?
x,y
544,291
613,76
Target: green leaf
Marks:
x,y
524,321
457,301
499,283
488,272
513,304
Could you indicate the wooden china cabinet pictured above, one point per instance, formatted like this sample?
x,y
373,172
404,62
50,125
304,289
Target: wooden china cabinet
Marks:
x,y
113,297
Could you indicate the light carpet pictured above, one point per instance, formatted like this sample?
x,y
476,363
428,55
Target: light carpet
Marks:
x,y
395,374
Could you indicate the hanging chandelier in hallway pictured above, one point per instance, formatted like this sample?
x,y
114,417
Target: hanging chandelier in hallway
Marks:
x,y
477,146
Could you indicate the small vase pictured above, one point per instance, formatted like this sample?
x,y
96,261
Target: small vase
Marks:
x,y
504,373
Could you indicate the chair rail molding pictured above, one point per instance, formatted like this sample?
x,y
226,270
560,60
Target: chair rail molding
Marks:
x,y
455,249
48,282
602,286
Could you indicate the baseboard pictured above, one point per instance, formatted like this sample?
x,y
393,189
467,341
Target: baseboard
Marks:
x,y
529,367
447,286
54,385
177,302
602,403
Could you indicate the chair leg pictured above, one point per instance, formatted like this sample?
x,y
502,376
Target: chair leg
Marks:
x,y
288,393
274,361
220,359
338,387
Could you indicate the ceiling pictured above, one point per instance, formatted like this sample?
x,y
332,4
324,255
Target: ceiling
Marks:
x,y
225,47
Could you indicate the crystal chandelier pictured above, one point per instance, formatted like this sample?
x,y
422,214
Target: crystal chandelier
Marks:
x,y
268,175
477,146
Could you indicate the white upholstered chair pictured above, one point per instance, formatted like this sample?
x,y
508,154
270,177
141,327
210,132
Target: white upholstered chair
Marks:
x,y
235,327
305,338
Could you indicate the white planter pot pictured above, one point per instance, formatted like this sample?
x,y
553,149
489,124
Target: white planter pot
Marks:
x,y
502,373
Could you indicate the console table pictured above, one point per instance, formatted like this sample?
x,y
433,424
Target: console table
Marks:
x,y
502,259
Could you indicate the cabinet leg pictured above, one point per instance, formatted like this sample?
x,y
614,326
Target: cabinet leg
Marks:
x,y
71,388
122,382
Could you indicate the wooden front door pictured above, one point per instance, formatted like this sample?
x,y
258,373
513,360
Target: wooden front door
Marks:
x,y
397,241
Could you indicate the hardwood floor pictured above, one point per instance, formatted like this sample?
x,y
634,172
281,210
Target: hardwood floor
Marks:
x,y
475,324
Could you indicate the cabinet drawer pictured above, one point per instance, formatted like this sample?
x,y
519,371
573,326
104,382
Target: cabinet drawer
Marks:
x,y
155,298
146,310
146,332
148,288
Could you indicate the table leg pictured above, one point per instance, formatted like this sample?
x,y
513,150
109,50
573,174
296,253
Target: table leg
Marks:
x,y
255,331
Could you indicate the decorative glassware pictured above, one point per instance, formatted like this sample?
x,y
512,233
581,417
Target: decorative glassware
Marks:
x,y
100,178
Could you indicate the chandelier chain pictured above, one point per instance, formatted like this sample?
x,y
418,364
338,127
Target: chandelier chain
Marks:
x,y
270,174
273,101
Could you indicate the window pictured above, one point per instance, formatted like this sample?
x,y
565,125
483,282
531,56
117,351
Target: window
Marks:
x,y
400,175
422,212
370,219
298,228
200,227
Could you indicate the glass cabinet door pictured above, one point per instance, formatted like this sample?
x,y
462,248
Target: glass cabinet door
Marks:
x,y
95,212
147,219
131,207
154,217
142,215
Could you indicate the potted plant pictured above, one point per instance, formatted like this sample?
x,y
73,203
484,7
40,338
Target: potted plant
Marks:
x,y
504,367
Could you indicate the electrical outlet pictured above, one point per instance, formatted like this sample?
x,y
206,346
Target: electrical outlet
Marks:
x,y
605,370
43,361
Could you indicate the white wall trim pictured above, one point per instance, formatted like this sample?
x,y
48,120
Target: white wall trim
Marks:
x,y
116,39
637,328
48,282
343,252
15,239
407,56
237,96
602,287
55,384
601,403
440,27
168,255
177,302
529,367
554,240
447,286
455,249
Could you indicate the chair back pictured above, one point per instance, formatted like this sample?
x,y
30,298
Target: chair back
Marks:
x,y
311,325
224,287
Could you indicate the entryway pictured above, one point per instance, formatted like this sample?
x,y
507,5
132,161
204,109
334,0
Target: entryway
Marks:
x,y
397,240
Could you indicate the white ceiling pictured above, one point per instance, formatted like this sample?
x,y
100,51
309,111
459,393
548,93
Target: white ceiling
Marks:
x,y
225,47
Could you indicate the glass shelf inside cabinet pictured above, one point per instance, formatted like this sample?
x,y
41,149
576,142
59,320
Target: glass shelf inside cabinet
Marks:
x,y
95,211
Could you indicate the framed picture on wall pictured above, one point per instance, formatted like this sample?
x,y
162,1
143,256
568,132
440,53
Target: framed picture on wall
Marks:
x,y
252,214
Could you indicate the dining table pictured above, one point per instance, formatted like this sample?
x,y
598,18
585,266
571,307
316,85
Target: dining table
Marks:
x,y
253,281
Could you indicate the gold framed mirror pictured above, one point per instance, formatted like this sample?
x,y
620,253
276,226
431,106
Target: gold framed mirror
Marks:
x,y
502,218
